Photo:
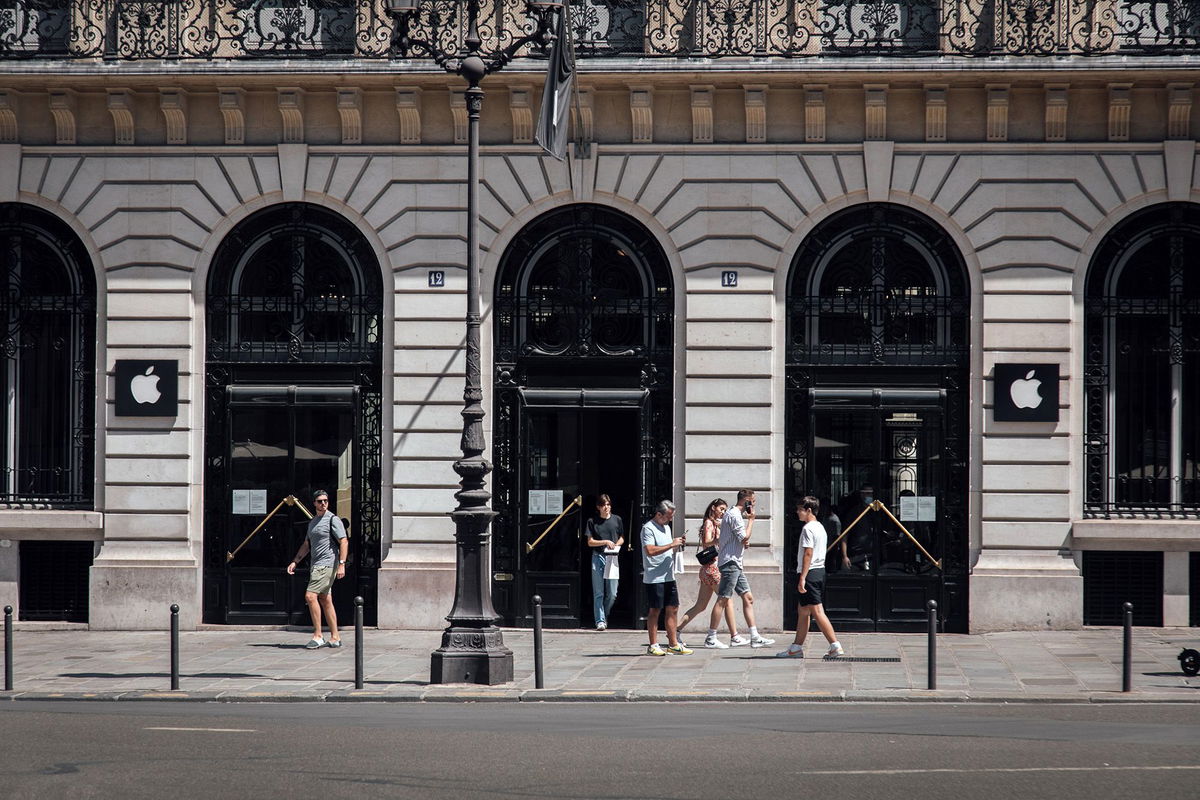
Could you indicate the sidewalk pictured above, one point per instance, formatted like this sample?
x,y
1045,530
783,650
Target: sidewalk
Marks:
x,y
272,665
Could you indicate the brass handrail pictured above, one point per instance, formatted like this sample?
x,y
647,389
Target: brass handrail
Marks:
x,y
878,505
578,501
289,500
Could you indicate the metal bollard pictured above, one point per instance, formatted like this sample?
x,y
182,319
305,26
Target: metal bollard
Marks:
x,y
174,647
931,607
1127,656
358,643
538,680
8,647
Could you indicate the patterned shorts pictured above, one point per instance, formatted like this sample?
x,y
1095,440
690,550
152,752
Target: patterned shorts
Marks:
x,y
709,575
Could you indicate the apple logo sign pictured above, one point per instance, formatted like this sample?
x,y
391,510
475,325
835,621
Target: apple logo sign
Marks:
x,y
144,387
1024,392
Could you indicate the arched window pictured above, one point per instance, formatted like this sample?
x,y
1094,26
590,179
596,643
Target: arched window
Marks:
x,y
47,361
294,284
878,284
584,282
1142,372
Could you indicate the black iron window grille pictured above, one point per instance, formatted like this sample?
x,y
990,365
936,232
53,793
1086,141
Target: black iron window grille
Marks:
x,y
1142,368
47,362
873,293
219,29
296,293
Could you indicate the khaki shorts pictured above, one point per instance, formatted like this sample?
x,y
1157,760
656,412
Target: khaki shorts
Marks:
x,y
320,580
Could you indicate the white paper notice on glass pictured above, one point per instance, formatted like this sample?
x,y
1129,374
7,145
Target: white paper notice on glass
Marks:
x,y
908,508
537,503
258,501
554,501
926,509
241,501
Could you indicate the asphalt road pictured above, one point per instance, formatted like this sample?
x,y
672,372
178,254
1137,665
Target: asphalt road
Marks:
x,y
597,750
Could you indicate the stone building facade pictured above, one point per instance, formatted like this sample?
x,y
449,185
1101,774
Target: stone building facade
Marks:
x,y
784,252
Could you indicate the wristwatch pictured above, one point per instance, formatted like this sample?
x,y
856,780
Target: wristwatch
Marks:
x,y
341,563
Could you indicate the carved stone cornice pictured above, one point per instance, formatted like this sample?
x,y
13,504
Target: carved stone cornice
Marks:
x,y
120,106
233,102
814,113
702,114
408,106
62,108
349,106
172,101
1120,103
582,117
520,105
997,112
1179,110
756,112
935,112
458,110
641,107
876,112
1057,98
8,116
291,108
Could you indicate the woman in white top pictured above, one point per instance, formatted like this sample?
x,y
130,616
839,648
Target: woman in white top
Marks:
x,y
710,576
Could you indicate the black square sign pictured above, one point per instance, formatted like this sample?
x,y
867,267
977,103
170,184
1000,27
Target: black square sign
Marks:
x,y
147,388
1025,392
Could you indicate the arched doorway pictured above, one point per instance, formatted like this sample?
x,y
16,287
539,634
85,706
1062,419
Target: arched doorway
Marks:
x,y
877,365
584,316
293,404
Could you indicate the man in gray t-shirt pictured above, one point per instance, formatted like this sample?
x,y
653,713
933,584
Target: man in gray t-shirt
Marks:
x,y
323,530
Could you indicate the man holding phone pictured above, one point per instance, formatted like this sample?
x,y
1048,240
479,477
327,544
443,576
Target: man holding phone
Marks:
x,y
736,526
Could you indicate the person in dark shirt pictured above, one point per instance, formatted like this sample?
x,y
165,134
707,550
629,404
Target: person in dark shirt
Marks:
x,y
605,535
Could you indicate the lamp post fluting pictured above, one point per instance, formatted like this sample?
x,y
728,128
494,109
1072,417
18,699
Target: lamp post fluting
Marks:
x,y
472,649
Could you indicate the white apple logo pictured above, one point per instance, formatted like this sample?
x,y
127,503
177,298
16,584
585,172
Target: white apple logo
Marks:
x,y
1024,393
145,387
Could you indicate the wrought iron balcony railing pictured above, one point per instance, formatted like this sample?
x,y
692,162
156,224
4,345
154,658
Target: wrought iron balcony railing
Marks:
x,y
232,29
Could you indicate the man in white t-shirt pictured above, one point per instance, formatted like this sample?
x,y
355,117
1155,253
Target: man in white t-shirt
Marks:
x,y
810,566
658,574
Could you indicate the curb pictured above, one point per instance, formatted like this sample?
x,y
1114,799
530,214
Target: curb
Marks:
x,y
508,695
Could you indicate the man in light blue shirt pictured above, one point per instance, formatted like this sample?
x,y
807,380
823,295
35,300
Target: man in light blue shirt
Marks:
x,y
658,546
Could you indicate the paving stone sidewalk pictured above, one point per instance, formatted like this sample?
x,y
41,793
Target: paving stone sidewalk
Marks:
x,y
272,665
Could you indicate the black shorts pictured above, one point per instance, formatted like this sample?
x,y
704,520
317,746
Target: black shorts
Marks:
x,y
662,595
814,585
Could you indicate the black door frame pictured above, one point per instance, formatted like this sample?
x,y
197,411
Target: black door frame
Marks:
x,y
520,606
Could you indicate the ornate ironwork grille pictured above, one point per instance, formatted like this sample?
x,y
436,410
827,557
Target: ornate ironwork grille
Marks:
x,y
47,361
583,297
878,297
154,29
295,297
1142,368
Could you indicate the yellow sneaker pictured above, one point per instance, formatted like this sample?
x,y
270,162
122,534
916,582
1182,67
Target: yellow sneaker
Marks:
x,y
679,650
655,650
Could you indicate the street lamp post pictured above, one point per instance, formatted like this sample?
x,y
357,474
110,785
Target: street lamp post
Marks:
x,y
472,648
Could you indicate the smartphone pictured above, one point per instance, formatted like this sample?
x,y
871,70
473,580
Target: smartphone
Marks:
x,y
746,509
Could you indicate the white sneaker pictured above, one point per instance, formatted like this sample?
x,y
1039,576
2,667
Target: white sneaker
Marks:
x,y
738,641
761,641
603,626
835,651
713,643
792,652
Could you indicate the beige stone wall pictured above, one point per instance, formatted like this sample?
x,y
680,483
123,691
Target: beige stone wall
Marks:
x,y
1026,213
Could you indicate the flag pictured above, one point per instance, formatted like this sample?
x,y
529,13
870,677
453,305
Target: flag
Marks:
x,y
555,114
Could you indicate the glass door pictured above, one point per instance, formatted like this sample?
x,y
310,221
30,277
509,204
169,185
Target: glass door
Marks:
x,y
285,441
881,470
